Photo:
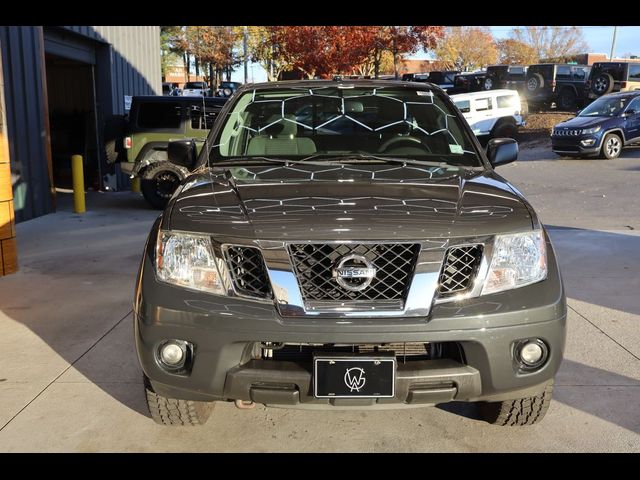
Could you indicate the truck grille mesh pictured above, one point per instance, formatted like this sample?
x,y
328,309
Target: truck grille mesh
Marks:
x,y
248,272
314,264
459,269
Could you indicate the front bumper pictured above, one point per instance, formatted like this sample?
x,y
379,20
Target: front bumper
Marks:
x,y
224,331
575,145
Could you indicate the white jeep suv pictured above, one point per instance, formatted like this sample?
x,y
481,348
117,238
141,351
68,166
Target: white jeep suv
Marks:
x,y
496,113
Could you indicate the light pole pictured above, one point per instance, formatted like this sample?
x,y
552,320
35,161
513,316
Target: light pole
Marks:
x,y
245,39
613,43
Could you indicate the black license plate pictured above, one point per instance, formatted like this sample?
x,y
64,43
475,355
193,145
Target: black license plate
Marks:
x,y
348,377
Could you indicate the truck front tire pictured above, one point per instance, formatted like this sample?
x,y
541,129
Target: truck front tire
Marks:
x,y
518,412
176,412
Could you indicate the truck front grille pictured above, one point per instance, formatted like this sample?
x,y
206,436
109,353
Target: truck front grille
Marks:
x,y
248,272
459,269
314,265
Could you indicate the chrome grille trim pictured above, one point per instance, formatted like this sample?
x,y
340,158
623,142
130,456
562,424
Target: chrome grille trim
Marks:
x,y
459,269
247,271
313,264
566,132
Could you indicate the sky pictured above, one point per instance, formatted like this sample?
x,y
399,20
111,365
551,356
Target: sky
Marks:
x,y
597,37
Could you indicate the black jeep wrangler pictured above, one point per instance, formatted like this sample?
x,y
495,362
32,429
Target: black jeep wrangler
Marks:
x,y
512,77
468,82
559,83
608,77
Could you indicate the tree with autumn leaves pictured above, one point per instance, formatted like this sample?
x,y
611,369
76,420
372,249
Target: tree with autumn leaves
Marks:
x,y
467,48
212,48
322,51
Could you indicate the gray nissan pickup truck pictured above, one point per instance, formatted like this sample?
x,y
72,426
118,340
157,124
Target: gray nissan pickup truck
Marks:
x,y
347,244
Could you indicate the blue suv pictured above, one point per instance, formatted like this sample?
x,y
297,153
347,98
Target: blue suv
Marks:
x,y
603,128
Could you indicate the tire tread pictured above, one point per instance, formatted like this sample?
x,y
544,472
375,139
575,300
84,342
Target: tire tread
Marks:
x,y
177,412
518,412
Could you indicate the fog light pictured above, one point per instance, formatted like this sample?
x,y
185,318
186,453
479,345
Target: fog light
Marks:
x,y
532,353
588,142
172,354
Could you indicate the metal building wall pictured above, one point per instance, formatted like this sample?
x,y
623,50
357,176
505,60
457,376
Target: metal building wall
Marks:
x,y
27,122
127,63
135,59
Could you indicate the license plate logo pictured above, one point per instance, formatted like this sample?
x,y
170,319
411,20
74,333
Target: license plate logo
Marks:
x,y
355,378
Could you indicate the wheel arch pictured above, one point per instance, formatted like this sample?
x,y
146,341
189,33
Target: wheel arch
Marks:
x,y
569,87
503,121
616,130
142,162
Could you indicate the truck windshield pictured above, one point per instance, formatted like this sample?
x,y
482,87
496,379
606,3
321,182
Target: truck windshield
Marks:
x,y
605,107
341,120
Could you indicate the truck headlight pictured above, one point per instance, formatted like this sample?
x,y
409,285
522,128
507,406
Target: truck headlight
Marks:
x,y
188,260
518,259
589,131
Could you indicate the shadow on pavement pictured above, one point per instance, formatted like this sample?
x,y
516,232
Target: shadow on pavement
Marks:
x,y
599,268
601,407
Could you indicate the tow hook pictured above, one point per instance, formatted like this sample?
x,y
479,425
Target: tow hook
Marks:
x,y
243,405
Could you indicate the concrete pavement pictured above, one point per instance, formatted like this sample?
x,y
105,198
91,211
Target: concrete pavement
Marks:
x,y
69,379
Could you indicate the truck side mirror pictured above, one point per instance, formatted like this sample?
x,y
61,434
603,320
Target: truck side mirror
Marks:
x,y
182,153
502,151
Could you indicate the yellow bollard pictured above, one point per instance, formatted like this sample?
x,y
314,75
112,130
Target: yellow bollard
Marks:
x,y
78,184
135,184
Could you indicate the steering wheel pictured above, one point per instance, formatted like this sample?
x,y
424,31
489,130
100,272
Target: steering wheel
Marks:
x,y
413,141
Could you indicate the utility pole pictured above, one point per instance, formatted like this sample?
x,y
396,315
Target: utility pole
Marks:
x,y
245,40
613,43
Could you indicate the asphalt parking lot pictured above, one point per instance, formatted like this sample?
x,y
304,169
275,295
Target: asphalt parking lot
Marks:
x,y
69,379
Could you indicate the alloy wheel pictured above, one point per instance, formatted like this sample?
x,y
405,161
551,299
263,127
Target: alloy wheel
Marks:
x,y
613,147
166,184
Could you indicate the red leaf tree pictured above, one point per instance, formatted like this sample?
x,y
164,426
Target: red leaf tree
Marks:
x,y
400,41
321,51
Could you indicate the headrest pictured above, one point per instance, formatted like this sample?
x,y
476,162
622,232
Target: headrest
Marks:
x,y
351,106
284,127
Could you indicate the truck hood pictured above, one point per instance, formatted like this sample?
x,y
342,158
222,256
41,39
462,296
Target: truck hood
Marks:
x,y
358,202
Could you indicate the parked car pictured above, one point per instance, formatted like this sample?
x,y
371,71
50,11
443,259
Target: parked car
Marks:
x,y
512,77
226,89
444,79
370,258
603,128
197,89
491,114
413,77
152,123
562,84
467,82
167,88
608,77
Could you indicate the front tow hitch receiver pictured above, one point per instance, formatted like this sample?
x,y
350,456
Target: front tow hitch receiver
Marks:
x,y
244,405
